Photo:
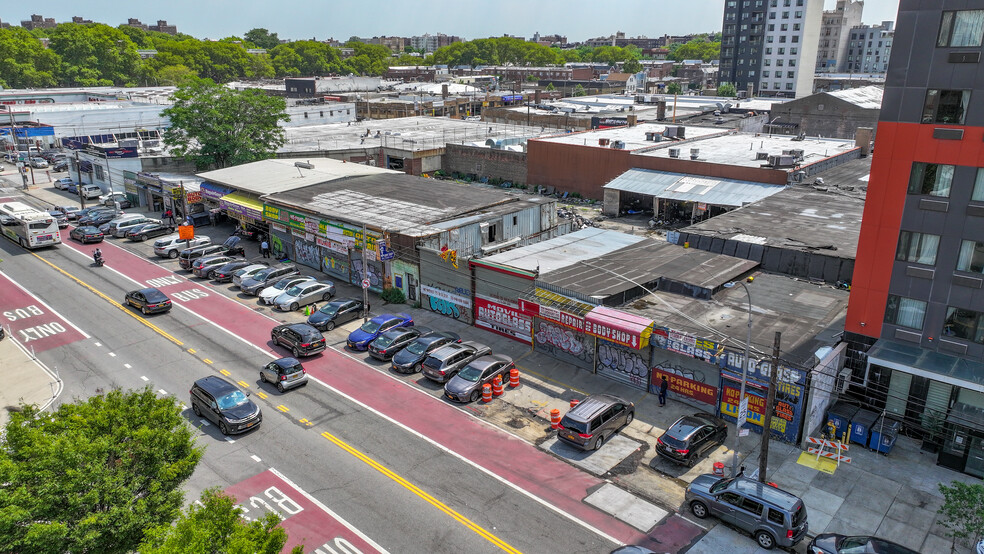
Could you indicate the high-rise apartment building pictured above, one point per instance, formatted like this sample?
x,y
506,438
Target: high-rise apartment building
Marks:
x,y
869,48
915,322
770,46
835,29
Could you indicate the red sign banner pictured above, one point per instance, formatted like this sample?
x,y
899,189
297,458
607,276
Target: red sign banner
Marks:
x,y
618,327
685,387
504,320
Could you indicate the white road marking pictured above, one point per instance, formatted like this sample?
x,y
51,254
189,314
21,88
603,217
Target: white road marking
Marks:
x,y
205,423
229,440
98,344
144,378
112,354
50,309
127,366
182,406
162,391
257,459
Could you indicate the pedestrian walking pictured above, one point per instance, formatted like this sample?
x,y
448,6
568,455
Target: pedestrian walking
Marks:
x,y
663,385
265,249
211,217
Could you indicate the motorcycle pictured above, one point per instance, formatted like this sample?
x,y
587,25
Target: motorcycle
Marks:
x,y
97,258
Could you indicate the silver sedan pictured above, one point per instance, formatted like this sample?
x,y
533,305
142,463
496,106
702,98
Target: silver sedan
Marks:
x,y
269,294
304,294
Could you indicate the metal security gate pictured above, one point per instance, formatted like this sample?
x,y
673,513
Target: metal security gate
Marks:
x,y
623,364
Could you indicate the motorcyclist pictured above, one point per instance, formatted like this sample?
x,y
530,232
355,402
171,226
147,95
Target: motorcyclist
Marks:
x,y
97,256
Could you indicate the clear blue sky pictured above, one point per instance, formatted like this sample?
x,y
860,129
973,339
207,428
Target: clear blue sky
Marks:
x,y
321,19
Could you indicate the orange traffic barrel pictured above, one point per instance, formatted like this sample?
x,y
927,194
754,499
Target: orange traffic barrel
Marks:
x,y
574,402
719,468
497,386
555,418
513,377
486,393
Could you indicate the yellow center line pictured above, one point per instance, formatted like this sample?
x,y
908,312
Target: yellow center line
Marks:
x,y
416,490
243,384
261,394
225,372
207,361
283,408
121,307
556,382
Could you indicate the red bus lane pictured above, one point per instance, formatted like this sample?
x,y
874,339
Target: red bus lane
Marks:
x,y
552,481
308,522
32,322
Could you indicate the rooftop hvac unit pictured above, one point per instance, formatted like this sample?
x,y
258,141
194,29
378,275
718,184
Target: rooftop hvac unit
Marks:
x,y
674,152
761,155
681,131
618,144
670,132
797,153
650,135
603,141
694,153
787,152
774,161
657,137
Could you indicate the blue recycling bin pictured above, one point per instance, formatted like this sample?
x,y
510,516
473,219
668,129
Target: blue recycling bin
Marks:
x,y
884,432
841,414
861,426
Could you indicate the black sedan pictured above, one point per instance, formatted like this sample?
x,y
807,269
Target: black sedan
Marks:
x,y
336,313
408,360
300,338
60,217
223,273
832,543
86,234
143,232
690,437
390,342
148,301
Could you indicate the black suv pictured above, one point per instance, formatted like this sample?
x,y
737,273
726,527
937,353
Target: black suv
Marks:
x,y
690,437
224,404
300,338
408,360
390,342
267,277
444,363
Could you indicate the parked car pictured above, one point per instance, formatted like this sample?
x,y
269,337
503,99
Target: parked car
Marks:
x,y
89,191
61,218
246,272
266,277
269,294
466,385
148,301
114,197
832,543
71,212
225,405
206,267
229,248
121,228
98,219
286,373
409,359
771,515
62,184
690,437
72,188
224,273
39,162
145,231
171,245
387,344
594,420
442,364
336,313
361,337
60,165
94,210
304,294
300,338
86,234
121,218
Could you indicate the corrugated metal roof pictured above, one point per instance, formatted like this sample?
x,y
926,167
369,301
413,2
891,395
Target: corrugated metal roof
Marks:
x,y
688,188
868,98
272,176
560,252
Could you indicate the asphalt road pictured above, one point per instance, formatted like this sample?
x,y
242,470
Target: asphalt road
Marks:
x,y
332,458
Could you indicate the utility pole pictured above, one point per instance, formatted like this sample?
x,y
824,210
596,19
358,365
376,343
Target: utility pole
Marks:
x,y
365,275
769,406
78,185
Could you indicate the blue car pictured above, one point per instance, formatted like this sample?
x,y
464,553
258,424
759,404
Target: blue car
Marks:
x,y
72,188
370,330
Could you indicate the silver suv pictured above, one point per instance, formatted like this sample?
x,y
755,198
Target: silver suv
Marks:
x,y
772,516
445,362
170,246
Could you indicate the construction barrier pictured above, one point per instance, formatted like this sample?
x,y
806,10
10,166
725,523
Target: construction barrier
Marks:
x,y
513,377
719,469
486,393
555,418
835,449
574,402
497,386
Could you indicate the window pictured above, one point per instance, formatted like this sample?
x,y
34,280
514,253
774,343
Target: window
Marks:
x,y
792,51
979,185
964,324
796,39
971,256
917,248
765,74
785,15
752,506
784,27
779,63
772,27
790,74
931,179
905,312
945,106
796,26
789,86
792,62
782,39
775,516
963,28
782,51
99,171
768,51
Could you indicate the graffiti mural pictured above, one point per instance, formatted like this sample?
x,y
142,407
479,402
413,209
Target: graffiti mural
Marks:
x,y
689,378
307,253
444,307
335,265
374,272
277,247
564,343
624,364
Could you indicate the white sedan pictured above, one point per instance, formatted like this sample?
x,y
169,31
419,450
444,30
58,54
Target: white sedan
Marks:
x,y
269,294
304,294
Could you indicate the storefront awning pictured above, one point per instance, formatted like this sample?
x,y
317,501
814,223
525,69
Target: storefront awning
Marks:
x,y
619,327
911,358
238,203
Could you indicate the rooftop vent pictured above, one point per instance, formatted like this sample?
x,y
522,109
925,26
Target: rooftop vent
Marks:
x,y
674,152
694,153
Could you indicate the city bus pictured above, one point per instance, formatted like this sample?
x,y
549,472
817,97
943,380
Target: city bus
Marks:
x,y
27,226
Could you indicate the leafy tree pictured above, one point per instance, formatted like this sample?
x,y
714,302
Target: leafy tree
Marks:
x,y
216,126
174,75
674,88
285,60
95,55
93,475
262,38
632,66
962,512
550,86
217,526
697,49
578,90
727,90
26,63
316,58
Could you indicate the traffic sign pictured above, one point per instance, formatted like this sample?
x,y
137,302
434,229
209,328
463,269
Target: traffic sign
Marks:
x,y
365,283
742,411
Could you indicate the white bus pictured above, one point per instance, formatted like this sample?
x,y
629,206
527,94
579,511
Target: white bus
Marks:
x,y
27,226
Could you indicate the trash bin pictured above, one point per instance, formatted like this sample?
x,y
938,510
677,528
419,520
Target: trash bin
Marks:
x,y
841,414
884,432
861,426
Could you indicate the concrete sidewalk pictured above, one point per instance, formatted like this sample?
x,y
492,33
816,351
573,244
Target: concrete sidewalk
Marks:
x,y
26,380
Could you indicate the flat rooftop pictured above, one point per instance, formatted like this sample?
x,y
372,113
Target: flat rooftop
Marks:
x,y
405,133
741,149
633,137
563,251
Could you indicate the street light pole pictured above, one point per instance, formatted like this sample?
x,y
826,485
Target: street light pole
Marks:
x,y
744,374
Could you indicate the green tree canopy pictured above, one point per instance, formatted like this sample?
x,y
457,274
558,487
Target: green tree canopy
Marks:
x,y
95,55
962,512
674,88
262,38
25,62
632,66
93,475
215,126
697,49
216,527
727,90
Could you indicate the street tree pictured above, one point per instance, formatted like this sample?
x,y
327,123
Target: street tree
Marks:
x,y
962,512
215,126
262,38
95,474
631,66
216,526
673,88
727,90
579,90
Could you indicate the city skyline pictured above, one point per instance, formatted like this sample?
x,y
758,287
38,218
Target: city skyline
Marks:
x,y
578,20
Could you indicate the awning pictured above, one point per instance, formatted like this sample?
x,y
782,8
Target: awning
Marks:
x,y
619,327
238,203
912,359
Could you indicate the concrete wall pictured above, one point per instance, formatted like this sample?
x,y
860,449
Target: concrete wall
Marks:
x,y
486,162
825,115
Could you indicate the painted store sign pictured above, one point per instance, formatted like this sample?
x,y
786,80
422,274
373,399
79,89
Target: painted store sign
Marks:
x,y
678,384
618,327
504,320
786,413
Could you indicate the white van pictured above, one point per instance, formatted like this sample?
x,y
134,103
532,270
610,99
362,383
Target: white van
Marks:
x,y
91,191
120,228
170,246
